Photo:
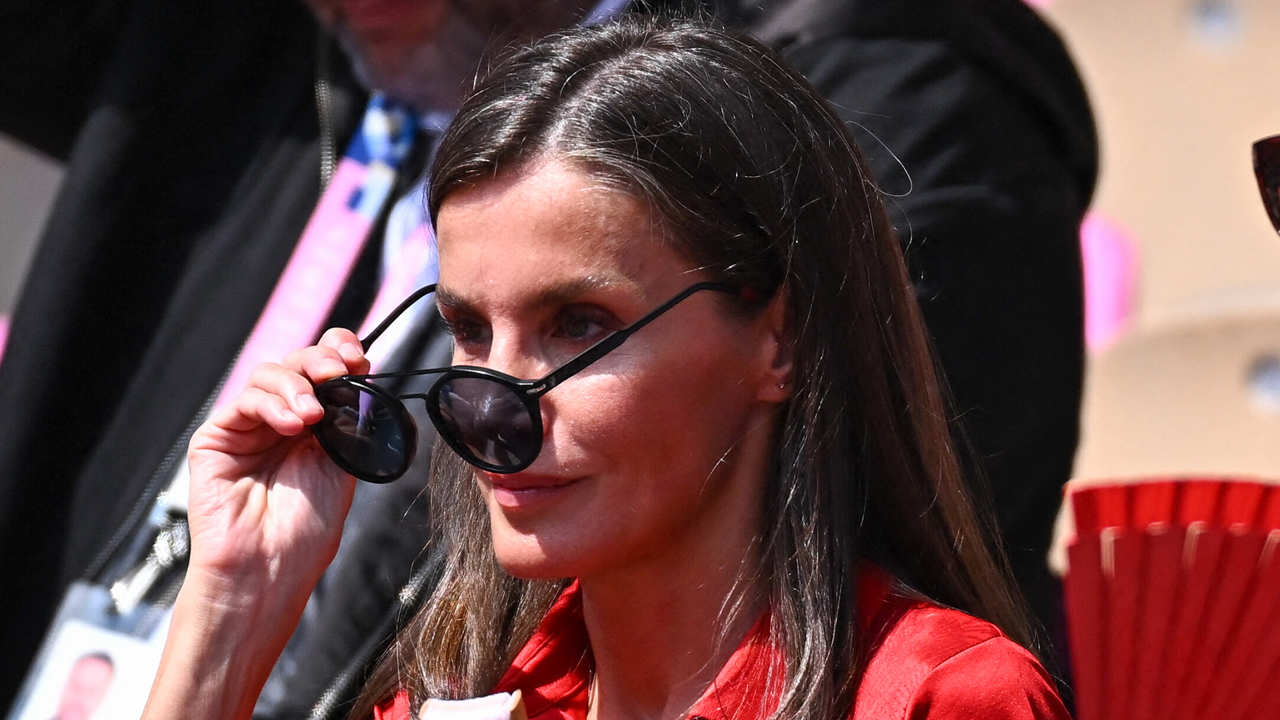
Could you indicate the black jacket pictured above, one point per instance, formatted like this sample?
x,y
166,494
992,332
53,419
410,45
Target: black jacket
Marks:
x,y
191,141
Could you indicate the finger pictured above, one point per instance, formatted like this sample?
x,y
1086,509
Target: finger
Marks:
x,y
317,362
255,408
293,389
323,363
348,347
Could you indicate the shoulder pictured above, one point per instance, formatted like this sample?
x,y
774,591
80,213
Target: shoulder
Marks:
x,y
927,661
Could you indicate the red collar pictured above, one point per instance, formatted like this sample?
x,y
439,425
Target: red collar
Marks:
x,y
553,669
909,642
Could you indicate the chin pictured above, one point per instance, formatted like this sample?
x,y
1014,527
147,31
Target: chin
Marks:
x,y
537,555
532,564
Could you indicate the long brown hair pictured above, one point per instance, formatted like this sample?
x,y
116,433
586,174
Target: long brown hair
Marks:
x,y
758,182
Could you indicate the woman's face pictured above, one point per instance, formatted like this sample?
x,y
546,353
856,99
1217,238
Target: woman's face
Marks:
x,y
657,452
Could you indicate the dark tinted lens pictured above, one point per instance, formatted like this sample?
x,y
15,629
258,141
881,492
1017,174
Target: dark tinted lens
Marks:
x,y
368,434
1266,165
490,420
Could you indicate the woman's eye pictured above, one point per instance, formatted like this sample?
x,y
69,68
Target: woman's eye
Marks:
x,y
582,324
464,330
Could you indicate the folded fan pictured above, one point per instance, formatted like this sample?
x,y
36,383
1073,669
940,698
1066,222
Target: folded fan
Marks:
x,y
1172,590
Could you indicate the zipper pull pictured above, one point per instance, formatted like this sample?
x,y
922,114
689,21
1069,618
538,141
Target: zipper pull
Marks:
x,y
172,545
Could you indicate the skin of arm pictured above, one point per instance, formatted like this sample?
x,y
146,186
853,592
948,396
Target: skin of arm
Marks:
x,y
218,654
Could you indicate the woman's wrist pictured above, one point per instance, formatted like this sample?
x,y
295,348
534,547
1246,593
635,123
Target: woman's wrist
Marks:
x,y
222,644
250,615
268,585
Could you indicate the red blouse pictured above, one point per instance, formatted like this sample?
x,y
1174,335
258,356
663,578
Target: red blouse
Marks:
x,y
927,662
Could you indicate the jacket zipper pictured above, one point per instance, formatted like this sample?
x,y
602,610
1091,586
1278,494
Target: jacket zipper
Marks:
x,y
408,599
158,481
324,110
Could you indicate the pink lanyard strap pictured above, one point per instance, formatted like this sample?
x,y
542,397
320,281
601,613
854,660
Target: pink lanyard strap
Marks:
x,y
409,261
331,242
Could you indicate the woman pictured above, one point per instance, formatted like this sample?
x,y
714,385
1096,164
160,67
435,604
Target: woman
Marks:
x,y
738,512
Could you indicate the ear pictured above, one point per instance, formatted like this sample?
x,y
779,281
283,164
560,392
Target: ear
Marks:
x,y
777,353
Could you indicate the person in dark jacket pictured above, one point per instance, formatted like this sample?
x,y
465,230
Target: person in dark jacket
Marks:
x,y
194,147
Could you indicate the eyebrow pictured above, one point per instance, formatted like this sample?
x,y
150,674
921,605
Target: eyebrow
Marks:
x,y
558,293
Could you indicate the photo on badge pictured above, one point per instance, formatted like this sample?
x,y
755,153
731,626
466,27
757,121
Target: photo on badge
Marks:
x,y
89,672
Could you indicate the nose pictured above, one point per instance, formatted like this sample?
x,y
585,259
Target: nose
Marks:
x,y
517,353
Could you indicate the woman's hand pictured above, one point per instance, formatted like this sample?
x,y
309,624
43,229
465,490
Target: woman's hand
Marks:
x,y
266,510
266,504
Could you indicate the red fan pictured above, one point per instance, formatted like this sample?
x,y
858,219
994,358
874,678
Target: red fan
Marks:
x,y
1172,596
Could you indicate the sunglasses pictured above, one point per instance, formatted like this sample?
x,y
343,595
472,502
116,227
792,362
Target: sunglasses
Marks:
x,y
490,419
1266,166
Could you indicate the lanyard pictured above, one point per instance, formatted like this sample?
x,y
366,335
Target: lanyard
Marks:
x,y
409,261
330,243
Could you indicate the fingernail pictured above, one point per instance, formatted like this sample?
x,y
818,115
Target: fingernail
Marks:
x,y
351,350
307,403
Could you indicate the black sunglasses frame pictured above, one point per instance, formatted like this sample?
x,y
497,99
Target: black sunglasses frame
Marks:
x,y
1266,168
529,391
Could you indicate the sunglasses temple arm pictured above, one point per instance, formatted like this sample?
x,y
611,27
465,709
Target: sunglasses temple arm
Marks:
x,y
418,294
585,358
608,344
401,373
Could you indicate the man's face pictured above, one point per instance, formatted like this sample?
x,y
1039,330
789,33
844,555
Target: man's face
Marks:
x,y
87,683
425,51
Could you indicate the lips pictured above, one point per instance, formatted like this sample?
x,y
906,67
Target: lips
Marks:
x,y
526,481
521,490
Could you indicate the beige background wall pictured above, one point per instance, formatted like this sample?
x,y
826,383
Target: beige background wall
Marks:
x,y
1177,112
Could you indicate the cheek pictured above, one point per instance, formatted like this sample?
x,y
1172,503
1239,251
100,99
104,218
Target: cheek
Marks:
x,y
598,419
677,415
647,440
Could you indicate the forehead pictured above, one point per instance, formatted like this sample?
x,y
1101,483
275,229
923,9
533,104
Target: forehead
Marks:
x,y
550,222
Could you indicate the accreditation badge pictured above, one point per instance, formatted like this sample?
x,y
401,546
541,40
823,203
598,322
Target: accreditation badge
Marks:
x,y
95,663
